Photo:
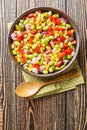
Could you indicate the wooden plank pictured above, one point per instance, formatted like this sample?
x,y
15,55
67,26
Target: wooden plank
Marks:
x,y
56,112
76,109
8,99
9,78
48,118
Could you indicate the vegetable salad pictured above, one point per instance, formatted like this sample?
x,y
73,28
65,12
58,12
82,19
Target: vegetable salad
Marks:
x,y
43,42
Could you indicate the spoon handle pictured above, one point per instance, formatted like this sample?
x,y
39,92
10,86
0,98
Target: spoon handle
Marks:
x,y
68,75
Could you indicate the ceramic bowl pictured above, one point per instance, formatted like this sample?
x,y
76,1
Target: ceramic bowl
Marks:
x,y
62,14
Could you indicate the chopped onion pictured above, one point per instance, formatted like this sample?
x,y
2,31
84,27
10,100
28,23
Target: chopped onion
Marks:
x,y
33,61
38,58
27,51
61,44
73,53
13,36
35,70
47,58
69,40
27,26
65,61
51,43
42,68
44,33
63,19
54,49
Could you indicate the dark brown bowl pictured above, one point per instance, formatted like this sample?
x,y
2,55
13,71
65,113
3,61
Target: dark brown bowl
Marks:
x,y
55,11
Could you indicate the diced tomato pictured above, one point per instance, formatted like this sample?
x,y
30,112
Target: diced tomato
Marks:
x,y
32,37
62,38
68,51
57,21
58,28
48,51
59,63
74,42
32,32
24,18
51,18
17,39
30,15
39,11
60,55
58,41
50,33
70,32
36,66
20,35
37,50
24,58
49,29
22,44
65,45
20,50
35,18
30,41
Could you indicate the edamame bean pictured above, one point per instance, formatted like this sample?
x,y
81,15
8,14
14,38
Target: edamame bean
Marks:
x,y
69,57
14,52
45,72
51,69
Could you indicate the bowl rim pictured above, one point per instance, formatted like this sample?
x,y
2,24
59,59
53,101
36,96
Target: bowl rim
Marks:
x,y
45,8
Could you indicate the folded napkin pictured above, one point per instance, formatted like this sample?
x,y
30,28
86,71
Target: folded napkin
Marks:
x,y
58,87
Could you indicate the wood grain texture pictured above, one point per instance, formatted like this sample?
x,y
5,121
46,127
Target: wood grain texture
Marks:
x,y
65,111
76,115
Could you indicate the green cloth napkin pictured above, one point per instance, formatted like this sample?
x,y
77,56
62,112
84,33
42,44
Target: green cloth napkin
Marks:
x,y
58,87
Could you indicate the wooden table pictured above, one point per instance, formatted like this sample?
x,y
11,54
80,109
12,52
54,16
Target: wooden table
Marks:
x,y
64,111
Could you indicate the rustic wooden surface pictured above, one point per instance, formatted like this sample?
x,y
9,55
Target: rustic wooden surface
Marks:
x,y
66,111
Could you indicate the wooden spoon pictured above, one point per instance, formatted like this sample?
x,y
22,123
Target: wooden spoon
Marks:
x,y
28,89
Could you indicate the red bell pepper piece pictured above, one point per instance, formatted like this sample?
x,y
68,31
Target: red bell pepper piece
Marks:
x,y
57,21
48,51
30,15
59,63
58,28
62,38
65,45
24,58
36,66
60,55
37,50
70,32
68,51
32,32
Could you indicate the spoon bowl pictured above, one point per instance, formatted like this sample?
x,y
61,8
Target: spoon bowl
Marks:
x,y
28,89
